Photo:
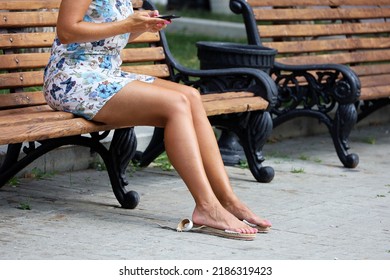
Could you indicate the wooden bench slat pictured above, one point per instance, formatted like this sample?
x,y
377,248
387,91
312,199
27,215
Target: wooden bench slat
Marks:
x,y
160,70
235,105
28,19
375,80
45,39
36,60
30,118
26,40
41,4
35,78
342,58
328,45
296,30
226,95
142,54
375,92
31,4
371,69
287,3
321,14
21,99
24,60
40,131
26,110
147,37
21,79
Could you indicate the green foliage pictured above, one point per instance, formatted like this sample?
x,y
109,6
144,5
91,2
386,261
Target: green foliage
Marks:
x,y
297,170
163,162
243,164
37,173
183,47
24,206
14,182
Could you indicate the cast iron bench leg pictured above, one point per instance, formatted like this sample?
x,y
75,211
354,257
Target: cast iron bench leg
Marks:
x,y
116,159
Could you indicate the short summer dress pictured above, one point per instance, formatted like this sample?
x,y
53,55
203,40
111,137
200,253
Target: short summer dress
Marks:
x,y
81,77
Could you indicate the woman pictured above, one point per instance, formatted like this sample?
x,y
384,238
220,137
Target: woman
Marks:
x,y
83,77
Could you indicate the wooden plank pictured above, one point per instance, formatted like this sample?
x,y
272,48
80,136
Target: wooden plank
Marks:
x,y
147,37
35,78
45,39
42,117
235,105
27,19
340,58
226,95
26,40
371,69
21,79
297,30
142,54
158,70
24,61
375,80
21,99
41,4
26,110
375,92
46,130
287,3
317,13
304,46
29,4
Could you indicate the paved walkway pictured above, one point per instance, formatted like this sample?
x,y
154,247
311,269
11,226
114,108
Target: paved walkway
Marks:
x,y
319,210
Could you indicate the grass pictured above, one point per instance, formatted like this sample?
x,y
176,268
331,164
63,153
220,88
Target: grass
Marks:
x,y
297,170
197,13
163,162
183,47
24,206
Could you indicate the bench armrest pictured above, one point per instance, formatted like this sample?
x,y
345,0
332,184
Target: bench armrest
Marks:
x,y
339,79
222,80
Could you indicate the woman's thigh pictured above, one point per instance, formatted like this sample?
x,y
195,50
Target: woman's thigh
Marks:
x,y
140,103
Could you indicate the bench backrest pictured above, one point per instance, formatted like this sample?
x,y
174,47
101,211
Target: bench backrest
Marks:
x,y
27,30
351,32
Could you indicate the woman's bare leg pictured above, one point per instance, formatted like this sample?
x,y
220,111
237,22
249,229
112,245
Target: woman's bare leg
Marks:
x,y
149,104
212,159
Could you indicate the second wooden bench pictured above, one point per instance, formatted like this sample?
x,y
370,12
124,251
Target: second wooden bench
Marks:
x,y
333,60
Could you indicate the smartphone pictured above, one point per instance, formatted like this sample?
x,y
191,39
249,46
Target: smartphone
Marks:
x,y
168,16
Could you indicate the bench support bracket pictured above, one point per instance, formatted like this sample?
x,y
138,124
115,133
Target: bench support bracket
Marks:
x,y
116,158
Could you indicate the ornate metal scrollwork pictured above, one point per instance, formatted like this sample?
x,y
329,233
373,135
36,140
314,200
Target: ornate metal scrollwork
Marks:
x,y
302,90
215,84
325,95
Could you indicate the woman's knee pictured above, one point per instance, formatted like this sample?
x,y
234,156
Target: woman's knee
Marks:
x,y
180,105
193,96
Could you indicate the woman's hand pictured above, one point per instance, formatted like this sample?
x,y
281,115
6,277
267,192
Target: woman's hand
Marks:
x,y
145,21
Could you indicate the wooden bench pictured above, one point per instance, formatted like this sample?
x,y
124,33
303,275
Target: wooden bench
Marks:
x,y
30,128
333,59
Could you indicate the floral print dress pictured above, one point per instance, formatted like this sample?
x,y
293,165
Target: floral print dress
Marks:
x,y
81,77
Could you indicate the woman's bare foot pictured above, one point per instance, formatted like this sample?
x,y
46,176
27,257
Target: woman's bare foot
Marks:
x,y
242,212
216,216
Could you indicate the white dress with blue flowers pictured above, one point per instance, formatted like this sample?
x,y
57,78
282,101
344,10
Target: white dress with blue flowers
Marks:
x,y
81,77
